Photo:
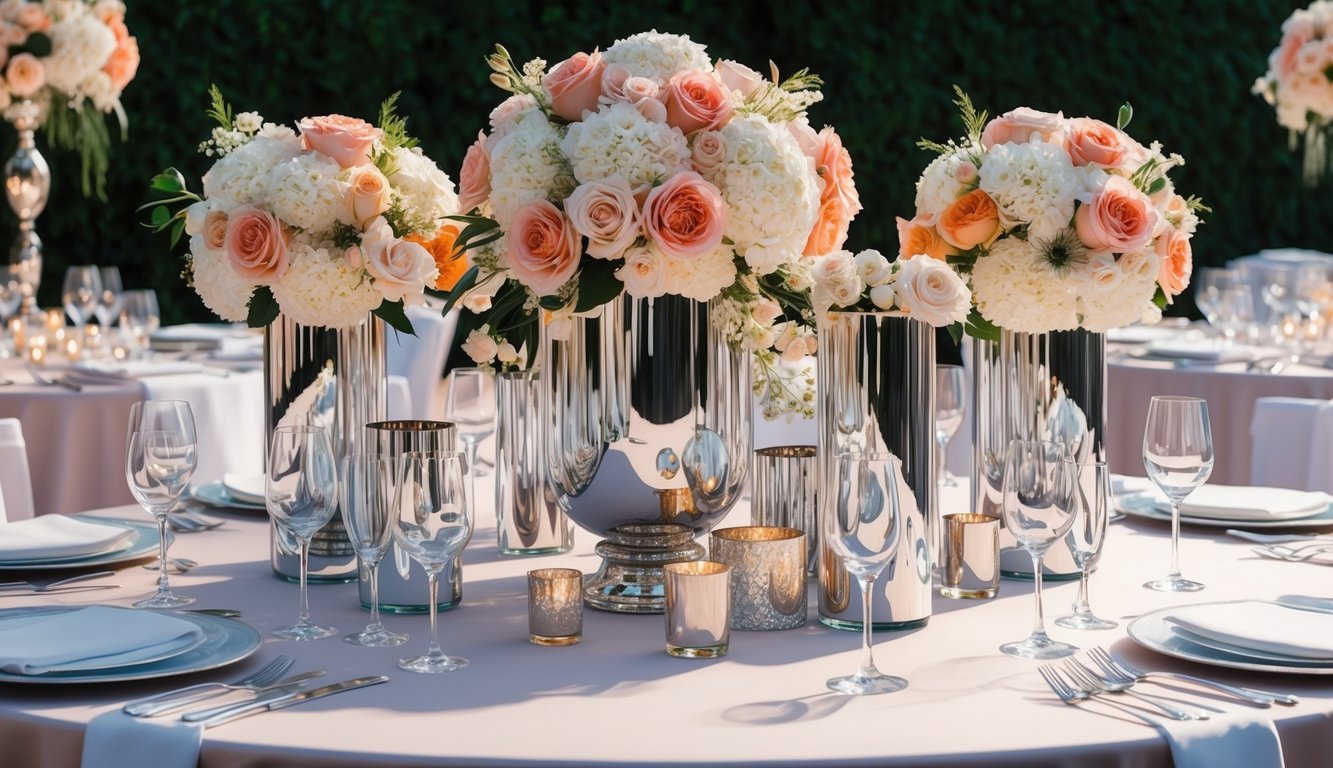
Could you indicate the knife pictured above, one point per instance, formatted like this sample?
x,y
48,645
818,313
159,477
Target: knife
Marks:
x,y
291,699
1265,538
173,703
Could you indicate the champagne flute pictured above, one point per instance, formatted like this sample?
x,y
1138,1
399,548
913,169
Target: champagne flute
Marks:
x,y
863,527
108,302
366,495
471,406
80,293
1037,503
160,458
434,522
1092,494
300,491
949,407
1178,454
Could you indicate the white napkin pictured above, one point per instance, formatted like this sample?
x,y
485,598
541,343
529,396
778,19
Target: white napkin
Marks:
x,y
15,478
1261,626
50,537
1250,503
1190,349
96,637
1236,739
244,488
116,740
123,370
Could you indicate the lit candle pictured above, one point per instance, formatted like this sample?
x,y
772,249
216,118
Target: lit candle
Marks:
x,y
37,348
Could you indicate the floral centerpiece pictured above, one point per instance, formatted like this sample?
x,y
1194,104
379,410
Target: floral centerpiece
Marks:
x,y
921,286
652,169
323,223
1298,83
1058,223
69,60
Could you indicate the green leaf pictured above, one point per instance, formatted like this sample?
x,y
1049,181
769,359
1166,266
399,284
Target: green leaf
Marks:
x,y
464,284
169,180
598,284
1159,298
394,314
1157,186
177,232
979,327
160,216
218,108
550,302
956,332
1126,114
263,308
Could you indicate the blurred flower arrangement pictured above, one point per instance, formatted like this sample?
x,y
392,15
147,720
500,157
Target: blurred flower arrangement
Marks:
x,y
1058,223
324,224
1298,83
70,59
651,169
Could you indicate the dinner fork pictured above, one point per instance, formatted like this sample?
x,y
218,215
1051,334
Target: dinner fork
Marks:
x,y
1082,677
1113,665
1074,697
261,677
1291,555
61,585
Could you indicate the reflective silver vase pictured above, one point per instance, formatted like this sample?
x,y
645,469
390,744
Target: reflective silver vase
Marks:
x,y
332,378
1035,386
646,417
529,513
876,385
27,186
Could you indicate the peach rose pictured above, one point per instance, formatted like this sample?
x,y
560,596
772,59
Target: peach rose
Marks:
x,y
969,221
695,101
652,109
830,230
709,150
613,81
367,195
644,274
13,34
1092,142
400,267
441,248
215,230
543,247
474,180
574,84
1017,127
25,74
738,77
1291,46
916,236
123,64
256,245
1119,218
833,163
637,89
34,19
1173,248
348,140
685,216
605,212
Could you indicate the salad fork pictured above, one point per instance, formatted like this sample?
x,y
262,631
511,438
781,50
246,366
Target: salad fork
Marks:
x,y
1074,697
1113,665
1084,678
261,677
1292,555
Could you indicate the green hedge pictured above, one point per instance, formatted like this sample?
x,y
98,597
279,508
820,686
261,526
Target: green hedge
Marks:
x,y
888,68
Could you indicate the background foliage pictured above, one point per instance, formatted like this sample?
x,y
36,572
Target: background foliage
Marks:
x,y
888,69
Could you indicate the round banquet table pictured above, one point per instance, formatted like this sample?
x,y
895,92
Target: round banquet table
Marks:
x,y
617,698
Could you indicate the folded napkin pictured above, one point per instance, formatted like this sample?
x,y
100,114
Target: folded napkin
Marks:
x,y
123,370
96,637
1196,349
116,740
52,537
1261,626
1250,503
244,488
1234,739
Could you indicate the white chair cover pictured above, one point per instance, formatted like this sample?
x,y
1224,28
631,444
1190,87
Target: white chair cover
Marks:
x,y
420,358
1291,443
15,482
1321,450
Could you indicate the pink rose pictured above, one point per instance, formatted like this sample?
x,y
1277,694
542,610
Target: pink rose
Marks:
x,y
33,18
1119,218
574,85
738,77
215,229
1092,142
348,140
510,110
13,34
833,163
25,74
474,180
1291,45
1017,127
765,311
965,173
605,213
256,245
685,216
652,109
695,101
806,137
400,267
367,195
543,247
709,151
613,81
1173,248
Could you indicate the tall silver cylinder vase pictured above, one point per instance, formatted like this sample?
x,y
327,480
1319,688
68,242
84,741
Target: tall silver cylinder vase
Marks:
x,y
1035,386
529,512
27,186
876,382
332,378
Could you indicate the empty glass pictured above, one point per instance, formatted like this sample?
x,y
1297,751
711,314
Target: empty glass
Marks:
x,y
300,492
139,317
80,293
1209,282
160,457
949,406
1178,455
108,302
1037,502
1235,312
366,494
1092,494
471,406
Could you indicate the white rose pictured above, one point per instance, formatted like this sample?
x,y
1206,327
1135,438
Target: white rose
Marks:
x,y
606,213
478,299
929,290
882,296
506,353
400,268
480,346
846,294
836,267
644,274
872,267
195,216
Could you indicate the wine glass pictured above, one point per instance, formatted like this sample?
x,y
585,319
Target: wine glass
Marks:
x,y
863,527
1092,494
1037,503
80,293
160,457
366,495
300,492
948,415
1178,454
139,316
434,521
1209,282
1235,312
471,406
108,302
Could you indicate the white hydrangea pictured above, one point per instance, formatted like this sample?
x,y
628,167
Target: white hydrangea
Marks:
x,y
1124,299
222,290
525,167
80,45
700,279
771,191
1034,184
1016,289
658,56
938,185
306,192
620,140
242,176
321,289
427,192
98,88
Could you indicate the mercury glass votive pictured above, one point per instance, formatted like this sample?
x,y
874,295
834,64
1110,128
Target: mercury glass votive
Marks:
x,y
698,609
768,575
971,556
782,492
555,606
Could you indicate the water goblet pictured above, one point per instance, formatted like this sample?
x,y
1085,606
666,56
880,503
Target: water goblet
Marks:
x,y
80,293
109,300
949,406
160,458
433,522
863,527
366,494
300,492
1178,455
1038,508
139,317
1092,494
471,406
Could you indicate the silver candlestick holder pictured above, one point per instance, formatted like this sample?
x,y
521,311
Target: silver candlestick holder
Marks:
x,y
27,186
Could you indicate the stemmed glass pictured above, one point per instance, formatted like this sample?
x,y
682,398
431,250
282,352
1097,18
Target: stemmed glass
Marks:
x,y
1235,312
1178,454
1037,502
949,408
1209,283
434,521
11,296
139,316
80,293
1092,494
366,495
471,406
159,459
300,491
108,301
863,526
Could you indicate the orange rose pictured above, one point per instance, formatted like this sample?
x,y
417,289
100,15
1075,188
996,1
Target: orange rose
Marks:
x,y
441,248
916,236
969,221
830,230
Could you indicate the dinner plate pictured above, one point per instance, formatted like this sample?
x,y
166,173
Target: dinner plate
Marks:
x,y
141,543
226,641
1152,631
216,494
248,489
1238,650
1145,506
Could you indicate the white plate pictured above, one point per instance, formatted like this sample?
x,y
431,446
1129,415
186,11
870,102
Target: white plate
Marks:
x,y
244,488
216,494
1145,506
1152,631
226,641
142,543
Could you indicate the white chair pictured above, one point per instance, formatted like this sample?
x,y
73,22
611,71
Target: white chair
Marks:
x,y
15,481
420,358
1291,443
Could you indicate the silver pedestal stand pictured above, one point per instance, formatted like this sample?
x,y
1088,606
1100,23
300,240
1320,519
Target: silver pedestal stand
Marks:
x,y
27,185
